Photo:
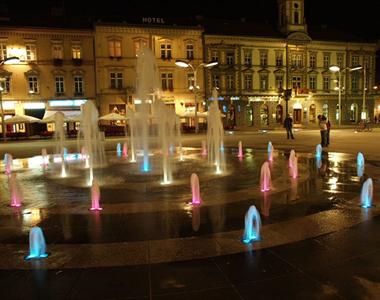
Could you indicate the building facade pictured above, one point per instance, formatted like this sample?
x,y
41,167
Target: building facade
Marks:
x,y
257,67
116,51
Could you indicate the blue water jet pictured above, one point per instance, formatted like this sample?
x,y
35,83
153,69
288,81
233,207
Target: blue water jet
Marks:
x,y
252,226
37,245
366,193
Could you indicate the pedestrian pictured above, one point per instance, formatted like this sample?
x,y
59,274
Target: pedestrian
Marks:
x,y
375,120
288,125
323,129
328,126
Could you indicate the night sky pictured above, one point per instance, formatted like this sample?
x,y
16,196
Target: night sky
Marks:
x,y
360,18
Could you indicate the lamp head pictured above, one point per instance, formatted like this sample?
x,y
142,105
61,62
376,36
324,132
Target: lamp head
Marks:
x,y
211,64
356,68
182,63
11,60
334,69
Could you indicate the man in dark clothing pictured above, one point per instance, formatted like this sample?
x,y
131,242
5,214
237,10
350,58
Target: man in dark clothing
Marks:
x,y
288,125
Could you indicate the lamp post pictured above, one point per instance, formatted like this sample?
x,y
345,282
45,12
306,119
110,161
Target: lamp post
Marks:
x,y
363,115
337,69
195,87
6,61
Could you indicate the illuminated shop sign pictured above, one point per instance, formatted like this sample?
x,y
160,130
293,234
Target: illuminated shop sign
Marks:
x,y
66,102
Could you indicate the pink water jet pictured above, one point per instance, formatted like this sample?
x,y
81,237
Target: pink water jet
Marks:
x,y
125,150
240,150
194,180
95,195
265,177
14,191
204,149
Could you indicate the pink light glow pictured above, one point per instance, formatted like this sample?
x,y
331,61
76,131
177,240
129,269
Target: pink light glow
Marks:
x,y
265,177
204,149
240,150
194,180
95,196
125,150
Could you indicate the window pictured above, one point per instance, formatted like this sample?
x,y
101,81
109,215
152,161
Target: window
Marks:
x,y
33,84
279,59
31,52
248,57
297,60
3,51
190,51
5,85
78,85
263,82
190,80
263,58
296,13
354,81
354,61
248,81
139,44
215,81
326,83
215,56
325,110
116,80
296,80
167,81
313,82
76,52
57,51
230,82
279,81
339,60
59,85
326,61
230,58
313,60
166,51
114,48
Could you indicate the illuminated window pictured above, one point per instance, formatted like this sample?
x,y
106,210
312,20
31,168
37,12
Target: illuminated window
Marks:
x,y
114,48
3,51
5,85
76,52
279,81
313,60
263,58
139,44
313,82
263,82
215,56
31,52
326,83
279,59
326,60
297,60
296,80
230,58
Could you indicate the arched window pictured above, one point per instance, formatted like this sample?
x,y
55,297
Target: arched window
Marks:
x,y
264,115
279,113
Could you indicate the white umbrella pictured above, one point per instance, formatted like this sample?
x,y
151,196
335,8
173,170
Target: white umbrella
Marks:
x,y
113,117
17,119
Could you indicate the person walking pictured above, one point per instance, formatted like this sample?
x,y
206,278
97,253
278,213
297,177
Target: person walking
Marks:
x,y
323,129
288,125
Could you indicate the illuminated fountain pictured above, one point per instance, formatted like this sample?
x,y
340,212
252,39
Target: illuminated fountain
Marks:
x,y
59,131
95,195
240,154
366,194
125,150
265,177
215,135
318,151
147,87
293,164
270,151
37,244
118,150
89,130
252,225
45,157
132,131
15,191
195,190
63,165
360,164
8,161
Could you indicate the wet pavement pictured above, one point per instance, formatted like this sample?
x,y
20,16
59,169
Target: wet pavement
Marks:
x,y
317,242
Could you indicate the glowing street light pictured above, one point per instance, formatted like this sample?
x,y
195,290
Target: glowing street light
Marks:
x,y
195,87
337,69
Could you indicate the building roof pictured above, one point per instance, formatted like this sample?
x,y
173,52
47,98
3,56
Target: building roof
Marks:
x,y
328,33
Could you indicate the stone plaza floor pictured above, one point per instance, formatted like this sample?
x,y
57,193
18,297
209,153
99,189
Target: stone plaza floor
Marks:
x,y
317,242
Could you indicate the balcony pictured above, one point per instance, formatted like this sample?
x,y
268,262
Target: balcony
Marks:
x,y
57,62
77,61
60,94
78,94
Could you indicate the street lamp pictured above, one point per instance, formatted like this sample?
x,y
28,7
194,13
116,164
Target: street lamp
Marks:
x,y
6,61
335,69
195,87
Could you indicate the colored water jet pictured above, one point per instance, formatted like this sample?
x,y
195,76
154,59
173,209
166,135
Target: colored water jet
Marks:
x,y
265,177
270,151
125,150
252,226
15,191
366,194
37,244
195,190
293,164
95,196
318,151
240,145
8,162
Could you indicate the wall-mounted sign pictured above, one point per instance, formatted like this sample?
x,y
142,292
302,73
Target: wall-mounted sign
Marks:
x,y
150,20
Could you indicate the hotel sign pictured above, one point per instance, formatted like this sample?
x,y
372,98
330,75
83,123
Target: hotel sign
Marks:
x,y
150,20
